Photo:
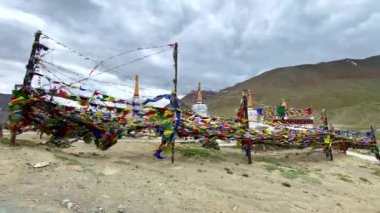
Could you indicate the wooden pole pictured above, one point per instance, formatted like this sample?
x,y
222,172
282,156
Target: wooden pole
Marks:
x,y
1,131
32,59
329,151
373,135
175,81
376,147
245,107
28,77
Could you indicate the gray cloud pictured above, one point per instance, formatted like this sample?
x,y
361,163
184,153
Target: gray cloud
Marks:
x,y
221,42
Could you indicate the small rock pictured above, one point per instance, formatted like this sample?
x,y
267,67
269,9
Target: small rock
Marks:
x,y
122,162
286,184
40,164
245,175
70,205
338,204
98,210
234,209
121,209
65,201
199,170
81,186
77,208
106,196
228,171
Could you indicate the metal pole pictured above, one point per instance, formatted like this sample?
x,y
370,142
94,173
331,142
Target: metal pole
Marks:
x,y
175,81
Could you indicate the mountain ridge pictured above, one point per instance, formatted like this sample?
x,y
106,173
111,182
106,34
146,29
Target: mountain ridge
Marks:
x,y
341,86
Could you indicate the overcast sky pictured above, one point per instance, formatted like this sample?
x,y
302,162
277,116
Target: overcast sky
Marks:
x,y
220,42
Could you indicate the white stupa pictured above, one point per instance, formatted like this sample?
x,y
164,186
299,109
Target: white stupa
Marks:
x,y
199,107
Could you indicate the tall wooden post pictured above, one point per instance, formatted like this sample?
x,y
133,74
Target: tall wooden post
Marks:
x,y
28,77
1,131
32,59
376,146
175,81
373,135
329,153
248,144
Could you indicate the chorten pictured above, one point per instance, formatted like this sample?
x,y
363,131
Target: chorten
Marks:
x,y
199,107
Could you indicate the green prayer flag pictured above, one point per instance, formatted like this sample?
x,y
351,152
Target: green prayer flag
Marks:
x,y
281,111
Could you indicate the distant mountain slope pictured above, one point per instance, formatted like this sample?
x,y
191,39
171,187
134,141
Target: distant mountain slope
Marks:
x,y
349,89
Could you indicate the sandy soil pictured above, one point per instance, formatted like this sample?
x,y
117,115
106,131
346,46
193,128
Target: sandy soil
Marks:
x,y
127,178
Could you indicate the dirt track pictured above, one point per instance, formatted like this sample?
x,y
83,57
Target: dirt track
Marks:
x,y
127,178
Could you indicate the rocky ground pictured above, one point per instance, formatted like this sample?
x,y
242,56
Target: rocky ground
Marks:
x,y
126,178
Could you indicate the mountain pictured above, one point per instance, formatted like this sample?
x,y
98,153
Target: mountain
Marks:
x,y
4,99
349,89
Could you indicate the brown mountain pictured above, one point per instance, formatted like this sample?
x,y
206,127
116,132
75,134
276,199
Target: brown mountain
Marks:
x,y
4,99
348,89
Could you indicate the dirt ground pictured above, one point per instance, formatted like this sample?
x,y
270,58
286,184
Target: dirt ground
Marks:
x,y
126,178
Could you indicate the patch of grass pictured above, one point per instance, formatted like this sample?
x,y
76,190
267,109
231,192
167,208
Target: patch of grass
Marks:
x,y
68,160
272,164
364,179
271,167
234,155
269,160
295,173
6,141
291,174
377,172
311,180
199,153
345,178
245,175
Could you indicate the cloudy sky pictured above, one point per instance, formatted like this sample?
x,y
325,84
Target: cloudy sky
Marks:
x,y
220,42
